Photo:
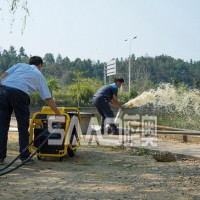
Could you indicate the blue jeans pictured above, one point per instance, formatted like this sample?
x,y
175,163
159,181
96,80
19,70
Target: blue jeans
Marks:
x,y
14,100
105,111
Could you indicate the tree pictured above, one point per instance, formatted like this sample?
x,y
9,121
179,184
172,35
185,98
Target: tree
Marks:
x,y
49,59
35,97
59,59
77,86
5,60
174,81
83,89
67,78
22,57
133,93
140,77
98,70
12,55
196,83
66,63
53,71
53,85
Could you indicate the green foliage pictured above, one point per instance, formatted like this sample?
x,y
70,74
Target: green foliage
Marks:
x,y
195,83
182,87
5,61
63,97
53,85
22,57
123,97
49,59
83,89
174,81
133,93
36,99
79,77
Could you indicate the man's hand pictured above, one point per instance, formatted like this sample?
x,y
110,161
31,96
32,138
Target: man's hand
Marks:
x,y
52,105
115,101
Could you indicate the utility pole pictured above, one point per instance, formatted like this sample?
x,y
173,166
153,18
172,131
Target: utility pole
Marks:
x,y
129,66
105,73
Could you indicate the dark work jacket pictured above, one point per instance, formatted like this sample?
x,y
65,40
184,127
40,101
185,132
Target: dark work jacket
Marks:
x,y
107,92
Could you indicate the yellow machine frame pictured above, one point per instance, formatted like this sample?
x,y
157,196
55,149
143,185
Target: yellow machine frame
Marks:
x,y
35,122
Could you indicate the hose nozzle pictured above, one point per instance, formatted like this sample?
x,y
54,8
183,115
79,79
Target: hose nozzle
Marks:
x,y
124,106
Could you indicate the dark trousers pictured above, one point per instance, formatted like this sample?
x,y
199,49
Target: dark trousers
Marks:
x,y
105,111
14,100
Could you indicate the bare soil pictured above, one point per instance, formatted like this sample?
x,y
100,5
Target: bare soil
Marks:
x,y
100,173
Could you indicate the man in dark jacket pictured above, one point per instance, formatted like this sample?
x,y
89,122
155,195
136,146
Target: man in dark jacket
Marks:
x,y
103,98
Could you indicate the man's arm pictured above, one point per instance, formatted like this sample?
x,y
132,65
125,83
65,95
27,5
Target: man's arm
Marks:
x,y
3,76
52,105
115,102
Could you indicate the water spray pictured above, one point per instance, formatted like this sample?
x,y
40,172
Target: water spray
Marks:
x,y
141,100
169,100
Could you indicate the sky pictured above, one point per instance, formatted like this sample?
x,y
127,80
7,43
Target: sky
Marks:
x,y
97,29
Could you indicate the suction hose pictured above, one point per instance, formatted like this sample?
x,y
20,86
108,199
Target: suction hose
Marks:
x,y
8,165
119,113
18,166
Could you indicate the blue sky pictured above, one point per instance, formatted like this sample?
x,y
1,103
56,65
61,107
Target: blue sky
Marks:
x,y
96,29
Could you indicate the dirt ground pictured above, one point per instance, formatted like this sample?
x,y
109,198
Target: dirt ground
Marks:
x,y
101,173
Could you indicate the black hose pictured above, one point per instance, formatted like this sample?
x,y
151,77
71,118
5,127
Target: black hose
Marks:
x,y
11,170
9,164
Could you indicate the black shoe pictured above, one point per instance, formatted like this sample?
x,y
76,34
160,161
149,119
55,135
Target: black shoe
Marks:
x,y
115,133
1,161
28,162
109,131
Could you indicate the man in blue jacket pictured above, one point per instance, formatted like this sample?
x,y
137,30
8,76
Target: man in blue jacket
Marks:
x,y
103,98
16,84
